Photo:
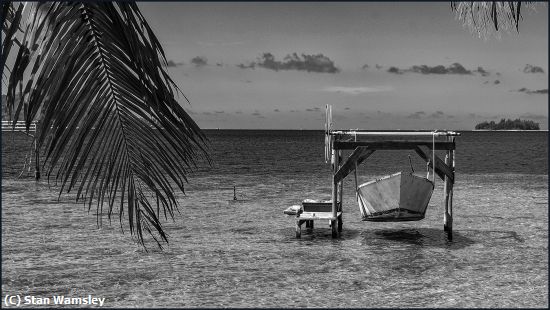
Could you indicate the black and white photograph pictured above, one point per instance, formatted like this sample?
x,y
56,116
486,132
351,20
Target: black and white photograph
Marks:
x,y
178,154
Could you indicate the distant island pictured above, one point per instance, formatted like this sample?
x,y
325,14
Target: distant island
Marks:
x,y
508,124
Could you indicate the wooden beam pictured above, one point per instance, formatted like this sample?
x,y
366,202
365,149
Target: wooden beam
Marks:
x,y
392,145
441,168
358,156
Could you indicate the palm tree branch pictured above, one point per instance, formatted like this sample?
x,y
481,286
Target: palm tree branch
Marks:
x,y
109,124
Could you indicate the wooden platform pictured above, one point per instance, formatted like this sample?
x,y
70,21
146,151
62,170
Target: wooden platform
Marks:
x,y
309,218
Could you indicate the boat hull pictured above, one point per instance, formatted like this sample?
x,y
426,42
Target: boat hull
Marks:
x,y
402,196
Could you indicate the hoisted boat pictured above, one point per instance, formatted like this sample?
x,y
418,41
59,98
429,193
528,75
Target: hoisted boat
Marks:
x,y
402,196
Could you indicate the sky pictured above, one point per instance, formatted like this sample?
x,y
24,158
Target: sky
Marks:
x,y
380,65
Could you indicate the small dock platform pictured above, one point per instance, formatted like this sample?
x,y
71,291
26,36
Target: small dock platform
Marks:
x,y
318,210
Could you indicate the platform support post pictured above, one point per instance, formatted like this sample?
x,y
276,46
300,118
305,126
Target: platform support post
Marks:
x,y
336,165
448,189
36,160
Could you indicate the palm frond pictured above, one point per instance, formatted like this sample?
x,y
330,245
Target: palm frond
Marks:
x,y
487,17
93,75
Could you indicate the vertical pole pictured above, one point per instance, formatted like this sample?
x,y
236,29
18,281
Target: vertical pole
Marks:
x,y
335,165
448,216
36,160
340,196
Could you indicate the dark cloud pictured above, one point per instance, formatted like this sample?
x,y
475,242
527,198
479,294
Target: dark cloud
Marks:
x,y
219,112
249,66
276,110
316,109
472,115
219,64
532,69
437,114
238,112
482,71
365,66
258,114
395,70
455,68
310,63
378,67
498,74
199,61
486,82
207,113
496,82
347,109
172,63
530,92
417,115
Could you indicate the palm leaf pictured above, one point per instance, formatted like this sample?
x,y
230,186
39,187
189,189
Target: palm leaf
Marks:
x,y
111,130
484,16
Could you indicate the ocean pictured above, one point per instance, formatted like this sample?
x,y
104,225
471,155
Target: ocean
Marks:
x,y
244,254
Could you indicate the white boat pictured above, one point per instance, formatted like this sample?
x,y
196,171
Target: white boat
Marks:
x,y
402,196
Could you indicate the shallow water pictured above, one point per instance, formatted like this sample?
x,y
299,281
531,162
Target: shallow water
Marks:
x,y
244,254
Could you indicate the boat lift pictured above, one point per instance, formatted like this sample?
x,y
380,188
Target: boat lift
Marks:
x,y
357,142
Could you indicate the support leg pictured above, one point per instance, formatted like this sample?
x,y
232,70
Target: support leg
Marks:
x,y
299,228
448,189
36,161
340,223
334,229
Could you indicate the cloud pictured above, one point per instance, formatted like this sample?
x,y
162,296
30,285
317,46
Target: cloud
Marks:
x,y
199,61
316,109
455,68
482,71
532,69
533,116
249,66
258,114
417,115
219,112
347,108
395,70
311,63
496,82
378,67
207,113
357,90
531,92
365,66
276,110
172,63
437,114
238,112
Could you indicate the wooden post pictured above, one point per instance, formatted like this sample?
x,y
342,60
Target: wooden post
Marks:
x,y
448,189
36,160
340,196
336,165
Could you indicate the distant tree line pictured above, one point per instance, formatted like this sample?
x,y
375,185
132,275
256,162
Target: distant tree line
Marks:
x,y
508,124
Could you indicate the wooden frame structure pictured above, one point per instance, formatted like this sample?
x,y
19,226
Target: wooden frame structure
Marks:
x,y
339,141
